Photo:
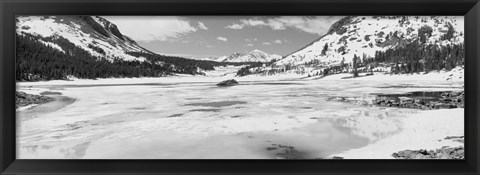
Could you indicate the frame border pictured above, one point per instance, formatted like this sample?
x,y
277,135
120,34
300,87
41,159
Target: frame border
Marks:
x,y
9,8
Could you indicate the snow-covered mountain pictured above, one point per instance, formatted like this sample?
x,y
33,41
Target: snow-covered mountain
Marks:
x,y
217,59
364,35
253,56
96,35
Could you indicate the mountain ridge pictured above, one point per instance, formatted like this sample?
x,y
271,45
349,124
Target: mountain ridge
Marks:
x,y
372,35
95,35
252,56
399,44
255,55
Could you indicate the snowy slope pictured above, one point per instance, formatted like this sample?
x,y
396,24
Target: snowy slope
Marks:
x,y
217,59
253,56
96,35
366,34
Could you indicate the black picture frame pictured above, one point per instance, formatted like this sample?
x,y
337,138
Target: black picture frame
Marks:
x,y
9,8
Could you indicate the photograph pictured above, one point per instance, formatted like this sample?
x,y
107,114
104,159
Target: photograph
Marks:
x,y
239,87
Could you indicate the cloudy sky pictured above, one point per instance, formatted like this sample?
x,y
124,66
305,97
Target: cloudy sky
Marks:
x,y
204,36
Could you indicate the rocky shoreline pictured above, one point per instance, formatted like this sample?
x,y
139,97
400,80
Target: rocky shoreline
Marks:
x,y
290,152
443,153
444,100
23,99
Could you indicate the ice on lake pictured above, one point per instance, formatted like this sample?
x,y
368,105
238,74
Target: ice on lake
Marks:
x,y
198,120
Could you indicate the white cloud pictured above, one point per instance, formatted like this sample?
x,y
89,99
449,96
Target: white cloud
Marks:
x,y
222,38
266,43
209,46
202,26
251,40
247,22
235,26
316,25
276,25
176,54
250,45
253,22
152,28
310,24
277,41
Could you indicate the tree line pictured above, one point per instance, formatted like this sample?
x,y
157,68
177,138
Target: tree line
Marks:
x,y
36,61
413,57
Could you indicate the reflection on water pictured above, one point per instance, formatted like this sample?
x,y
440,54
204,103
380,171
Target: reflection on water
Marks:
x,y
425,96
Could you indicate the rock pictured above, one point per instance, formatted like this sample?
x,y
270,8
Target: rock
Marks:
x,y
461,105
410,105
24,99
448,100
405,99
231,82
420,156
337,157
442,153
442,106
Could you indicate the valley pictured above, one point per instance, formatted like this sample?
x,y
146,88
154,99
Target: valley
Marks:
x,y
104,96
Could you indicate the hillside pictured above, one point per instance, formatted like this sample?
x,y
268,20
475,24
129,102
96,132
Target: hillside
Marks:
x,y
367,34
387,41
64,47
97,36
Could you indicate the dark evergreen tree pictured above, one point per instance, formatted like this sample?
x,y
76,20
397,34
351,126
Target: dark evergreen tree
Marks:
x,y
355,65
325,48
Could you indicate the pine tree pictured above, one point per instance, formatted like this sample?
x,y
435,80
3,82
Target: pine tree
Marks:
x,y
325,48
355,65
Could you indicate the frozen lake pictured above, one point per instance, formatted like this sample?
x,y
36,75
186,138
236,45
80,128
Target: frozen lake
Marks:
x,y
198,120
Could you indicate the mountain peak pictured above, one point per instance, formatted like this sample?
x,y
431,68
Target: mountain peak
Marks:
x,y
95,35
256,50
252,56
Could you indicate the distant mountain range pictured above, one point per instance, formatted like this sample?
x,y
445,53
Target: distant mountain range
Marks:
x,y
252,56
